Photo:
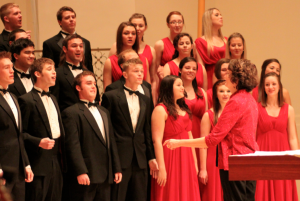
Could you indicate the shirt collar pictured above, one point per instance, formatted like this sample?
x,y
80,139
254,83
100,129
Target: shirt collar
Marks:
x,y
39,89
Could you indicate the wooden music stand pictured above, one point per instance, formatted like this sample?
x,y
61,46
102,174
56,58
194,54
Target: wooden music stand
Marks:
x,y
285,167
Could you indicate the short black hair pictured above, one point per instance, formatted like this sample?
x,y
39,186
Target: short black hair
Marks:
x,y
18,45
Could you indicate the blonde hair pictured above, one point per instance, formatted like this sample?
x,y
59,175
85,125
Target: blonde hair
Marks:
x,y
5,10
207,29
235,35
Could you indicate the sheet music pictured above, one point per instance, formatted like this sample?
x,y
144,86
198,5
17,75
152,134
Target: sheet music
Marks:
x,y
274,153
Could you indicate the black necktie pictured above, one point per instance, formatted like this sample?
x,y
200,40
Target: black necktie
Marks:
x,y
132,92
28,76
90,104
4,90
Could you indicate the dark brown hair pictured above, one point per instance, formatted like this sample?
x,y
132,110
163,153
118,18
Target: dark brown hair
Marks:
x,y
78,80
63,9
264,95
65,43
262,75
218,67
12,35
198,92
17,46
138,16
38,66
166,96
175,44
119,40
216,102
174,13
235,35
244,73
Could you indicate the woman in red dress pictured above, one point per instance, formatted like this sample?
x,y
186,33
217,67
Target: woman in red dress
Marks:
x,y
236,47
196,96
183,44
126,39
212,45
221,70
276,131
171,118
235,131
270,65
210,186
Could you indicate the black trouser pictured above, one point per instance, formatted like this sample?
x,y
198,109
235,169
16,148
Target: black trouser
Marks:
x,y
237,190
17,188
133,186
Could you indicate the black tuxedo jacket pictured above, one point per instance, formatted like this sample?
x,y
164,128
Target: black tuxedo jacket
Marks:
x,y
36,126
130,144
17,88
4,45
146,87
53,46
12,151
87,151
63,89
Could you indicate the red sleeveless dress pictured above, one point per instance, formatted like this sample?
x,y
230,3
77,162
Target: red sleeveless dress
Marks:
x,y
212,191
209,61
197,107
272,136
182,182
174,70
168,51
209,94
116,71
148,54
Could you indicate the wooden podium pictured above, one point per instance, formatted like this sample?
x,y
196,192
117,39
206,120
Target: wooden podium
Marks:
x,y
285,167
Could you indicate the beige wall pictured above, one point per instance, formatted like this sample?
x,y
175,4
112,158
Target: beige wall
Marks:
x,y
271,29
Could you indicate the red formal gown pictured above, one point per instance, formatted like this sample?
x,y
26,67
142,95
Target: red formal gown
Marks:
x,y
148,54
272,136
212,191
168,51
182,182
116,71
209,94
174,70
211,60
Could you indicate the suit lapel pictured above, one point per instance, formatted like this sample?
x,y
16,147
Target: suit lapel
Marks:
x,y
68,74
19,112
106,125
41,109
142,111
4,35
7,109
60,40
18,84
146,91
123,105
90,118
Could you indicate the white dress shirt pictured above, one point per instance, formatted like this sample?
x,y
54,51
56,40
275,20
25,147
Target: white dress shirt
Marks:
x,y
134,106
76,71
51,113
97,116
27,83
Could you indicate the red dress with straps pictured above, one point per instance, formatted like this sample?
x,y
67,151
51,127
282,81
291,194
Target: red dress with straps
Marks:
x,y
168,51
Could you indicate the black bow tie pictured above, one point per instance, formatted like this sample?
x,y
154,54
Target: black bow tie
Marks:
x,y
132,92
75,67
64,33
44,93
90,104
4,90
28,76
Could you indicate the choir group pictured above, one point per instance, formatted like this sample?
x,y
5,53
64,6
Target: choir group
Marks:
x,y
162,131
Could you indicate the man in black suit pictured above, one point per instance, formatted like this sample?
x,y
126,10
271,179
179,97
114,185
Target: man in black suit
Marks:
x,y
22,51
12,19
52,47
130,113
43,134
91,149
13,157
146,87
72,59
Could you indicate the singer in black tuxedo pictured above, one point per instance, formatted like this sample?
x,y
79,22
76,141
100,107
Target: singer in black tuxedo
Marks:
x,y
92,156
45,163
17,88
53,47
4,45
135,146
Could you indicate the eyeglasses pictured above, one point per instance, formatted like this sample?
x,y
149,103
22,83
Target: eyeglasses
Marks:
x,y
174,22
